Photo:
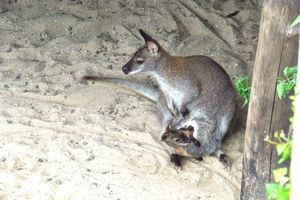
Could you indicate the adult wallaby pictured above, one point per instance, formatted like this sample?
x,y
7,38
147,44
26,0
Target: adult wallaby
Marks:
x,y
196,84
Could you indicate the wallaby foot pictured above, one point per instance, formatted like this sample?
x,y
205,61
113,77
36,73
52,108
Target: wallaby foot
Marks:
x,y
225,160
176,159
199,158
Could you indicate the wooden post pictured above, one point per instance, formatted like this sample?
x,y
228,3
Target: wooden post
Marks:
x,y
267,114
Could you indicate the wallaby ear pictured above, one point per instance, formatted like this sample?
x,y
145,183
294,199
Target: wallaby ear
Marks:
x,y
145,36
164,136
190,128
152,45
169,128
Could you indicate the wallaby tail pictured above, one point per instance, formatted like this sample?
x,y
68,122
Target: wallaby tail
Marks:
x,y
142,89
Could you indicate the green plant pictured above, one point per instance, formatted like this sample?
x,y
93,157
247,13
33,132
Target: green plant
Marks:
x,y
242,85
279,190
287,82
296,21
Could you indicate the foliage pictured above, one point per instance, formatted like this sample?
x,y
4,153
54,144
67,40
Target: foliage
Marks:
x,y
287,82
242,85
279,190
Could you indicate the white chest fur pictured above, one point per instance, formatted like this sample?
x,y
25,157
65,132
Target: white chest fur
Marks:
x,y
173,95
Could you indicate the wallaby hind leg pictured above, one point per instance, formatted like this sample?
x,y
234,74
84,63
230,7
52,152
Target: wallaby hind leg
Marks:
x,y
223,129
225,121
209,137
216,150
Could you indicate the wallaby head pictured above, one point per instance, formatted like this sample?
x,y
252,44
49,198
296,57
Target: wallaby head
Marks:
x,y
183,142
145,58
177,137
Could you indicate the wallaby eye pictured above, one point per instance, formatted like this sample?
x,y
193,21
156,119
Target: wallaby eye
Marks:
x,y
139,61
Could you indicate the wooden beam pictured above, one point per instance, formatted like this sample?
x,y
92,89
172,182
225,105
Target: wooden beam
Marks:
x,y
267,114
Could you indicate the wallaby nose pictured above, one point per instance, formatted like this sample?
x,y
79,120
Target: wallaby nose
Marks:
x,y
125,69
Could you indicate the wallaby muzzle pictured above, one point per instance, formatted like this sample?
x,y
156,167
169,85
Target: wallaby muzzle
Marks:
x,y
126,69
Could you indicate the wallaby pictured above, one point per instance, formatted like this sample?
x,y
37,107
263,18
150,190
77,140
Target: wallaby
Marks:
x,y
182,142
184,146
196,83
156,96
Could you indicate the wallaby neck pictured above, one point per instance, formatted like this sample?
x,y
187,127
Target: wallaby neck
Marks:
x,y
163,64
165,75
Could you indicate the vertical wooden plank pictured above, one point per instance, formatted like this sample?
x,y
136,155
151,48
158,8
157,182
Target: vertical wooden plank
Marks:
x,y
282,111
266,113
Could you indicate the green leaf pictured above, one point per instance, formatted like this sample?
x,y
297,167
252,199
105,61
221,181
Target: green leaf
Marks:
x,y
280,90
285,88
289,71
290,86
296,21
283,193
280,148
272,190
279,174
284,182
243,88
286,154
286,84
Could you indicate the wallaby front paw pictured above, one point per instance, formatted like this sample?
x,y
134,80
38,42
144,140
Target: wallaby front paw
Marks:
x,y
176,159
184,111
196,142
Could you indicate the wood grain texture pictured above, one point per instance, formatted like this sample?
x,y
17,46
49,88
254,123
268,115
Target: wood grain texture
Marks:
x,y
267,114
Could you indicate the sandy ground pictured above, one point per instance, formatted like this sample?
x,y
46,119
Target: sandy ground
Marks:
x,y
62,139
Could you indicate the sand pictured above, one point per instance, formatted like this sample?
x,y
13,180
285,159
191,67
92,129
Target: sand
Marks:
x,y
64,139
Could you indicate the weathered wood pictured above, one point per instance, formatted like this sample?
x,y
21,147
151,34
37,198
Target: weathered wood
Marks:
x,y
267,114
